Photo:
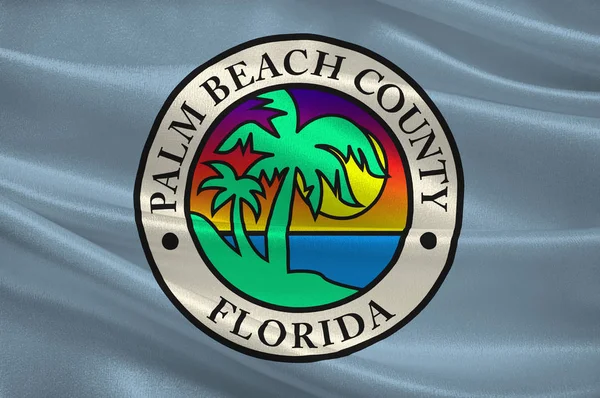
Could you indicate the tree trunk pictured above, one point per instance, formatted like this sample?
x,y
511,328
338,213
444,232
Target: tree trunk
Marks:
x,y
279,223
241,239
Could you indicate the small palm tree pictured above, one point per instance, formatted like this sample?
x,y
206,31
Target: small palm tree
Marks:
x,y
316,153
236,190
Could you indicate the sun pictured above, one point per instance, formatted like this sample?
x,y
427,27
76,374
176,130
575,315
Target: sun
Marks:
x,y
365,187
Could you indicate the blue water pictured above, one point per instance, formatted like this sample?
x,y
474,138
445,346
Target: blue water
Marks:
x,y
353,260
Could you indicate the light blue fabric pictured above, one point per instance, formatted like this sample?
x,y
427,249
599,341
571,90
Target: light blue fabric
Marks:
x,y
519,85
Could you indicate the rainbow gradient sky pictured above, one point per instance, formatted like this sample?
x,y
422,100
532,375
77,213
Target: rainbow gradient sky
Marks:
x,y
388,214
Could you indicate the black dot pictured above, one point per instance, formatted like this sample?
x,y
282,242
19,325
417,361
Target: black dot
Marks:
x,y
428,240
170,241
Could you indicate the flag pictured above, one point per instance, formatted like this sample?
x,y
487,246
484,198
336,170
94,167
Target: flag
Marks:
x,y
518,312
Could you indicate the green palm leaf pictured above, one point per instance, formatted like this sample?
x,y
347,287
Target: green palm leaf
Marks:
x,y
213,182
232,187
336,134
252,203
250,134
221,200
268,166
286,123
246,190
225,171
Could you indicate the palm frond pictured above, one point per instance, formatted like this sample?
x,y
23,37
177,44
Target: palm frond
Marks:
x,y
249,184
336,179
221,200
287,122
344,137
211,183
252,135
269,167
333,172
252,203
225,170
312,184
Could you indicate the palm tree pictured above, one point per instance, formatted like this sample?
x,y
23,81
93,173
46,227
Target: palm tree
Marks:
x,y
315,153
236,190
243,266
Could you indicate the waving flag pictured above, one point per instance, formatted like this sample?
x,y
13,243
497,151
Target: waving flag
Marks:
x,y
300,198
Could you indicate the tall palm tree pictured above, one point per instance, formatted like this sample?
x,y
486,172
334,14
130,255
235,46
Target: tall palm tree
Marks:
x,y
316,153
236,190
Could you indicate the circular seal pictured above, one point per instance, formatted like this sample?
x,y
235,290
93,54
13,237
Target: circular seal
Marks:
x,y
299,198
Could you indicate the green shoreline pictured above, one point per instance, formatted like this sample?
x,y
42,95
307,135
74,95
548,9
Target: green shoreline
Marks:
x,y
262,280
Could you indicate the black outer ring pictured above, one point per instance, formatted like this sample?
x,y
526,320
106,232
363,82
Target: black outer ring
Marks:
x,y
459,204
